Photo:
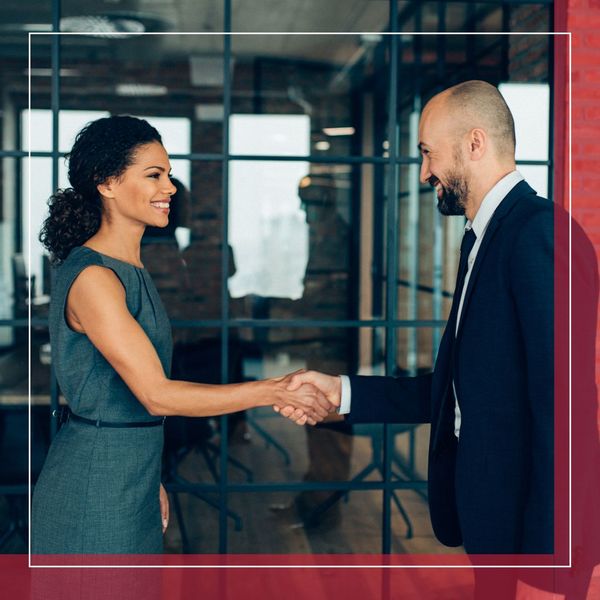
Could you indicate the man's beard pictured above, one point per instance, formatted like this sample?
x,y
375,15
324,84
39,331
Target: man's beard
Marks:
x,y
454,195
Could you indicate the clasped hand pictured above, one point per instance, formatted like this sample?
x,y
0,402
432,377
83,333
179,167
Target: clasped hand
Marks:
x,y
308,397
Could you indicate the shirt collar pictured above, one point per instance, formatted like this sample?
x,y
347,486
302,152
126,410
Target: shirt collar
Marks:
x,y
491,201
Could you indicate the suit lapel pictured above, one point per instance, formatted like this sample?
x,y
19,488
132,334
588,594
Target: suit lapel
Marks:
x,y
521,189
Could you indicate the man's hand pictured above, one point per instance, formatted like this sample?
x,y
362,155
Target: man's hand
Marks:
x,y
305,403
330,387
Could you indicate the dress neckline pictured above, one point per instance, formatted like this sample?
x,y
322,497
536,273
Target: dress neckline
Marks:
x,y
142,268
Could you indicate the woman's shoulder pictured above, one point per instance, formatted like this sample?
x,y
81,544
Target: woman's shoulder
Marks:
x,y
79,258
82,257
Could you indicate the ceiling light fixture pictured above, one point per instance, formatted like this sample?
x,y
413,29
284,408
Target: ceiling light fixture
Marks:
x,y
29,27
141,89
103,25
43,72
338,131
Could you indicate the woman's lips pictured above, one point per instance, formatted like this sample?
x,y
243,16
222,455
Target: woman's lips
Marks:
x,y
162,206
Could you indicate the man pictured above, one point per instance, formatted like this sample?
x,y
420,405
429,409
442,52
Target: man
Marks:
x,y
490,398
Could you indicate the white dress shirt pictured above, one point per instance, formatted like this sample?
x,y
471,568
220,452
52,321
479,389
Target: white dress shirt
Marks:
x,y
480,223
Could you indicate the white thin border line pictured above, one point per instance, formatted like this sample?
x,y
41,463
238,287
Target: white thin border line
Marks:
x,y
110,34
300,566
570,145
60,33
29,169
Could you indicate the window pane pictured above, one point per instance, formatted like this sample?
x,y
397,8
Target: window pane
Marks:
x,y
428,250
537,177
530,107
41,121
341,82
174,77
304,245
36,186
9,240
184,259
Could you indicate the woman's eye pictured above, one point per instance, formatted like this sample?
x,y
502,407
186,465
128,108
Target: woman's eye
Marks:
x,y
154,175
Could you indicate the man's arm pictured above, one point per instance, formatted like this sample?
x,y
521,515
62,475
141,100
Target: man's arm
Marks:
x,y
390,399
373,399
532,271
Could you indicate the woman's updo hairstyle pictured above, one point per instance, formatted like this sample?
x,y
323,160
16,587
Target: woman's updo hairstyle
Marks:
x,y
103,149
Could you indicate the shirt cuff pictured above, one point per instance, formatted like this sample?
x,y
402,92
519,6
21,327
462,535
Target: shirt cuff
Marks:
x,y
344,408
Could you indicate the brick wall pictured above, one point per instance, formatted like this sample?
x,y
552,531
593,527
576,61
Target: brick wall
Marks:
x,y
582,19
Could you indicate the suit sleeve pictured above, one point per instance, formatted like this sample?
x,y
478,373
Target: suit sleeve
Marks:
x,y
390,399
532,275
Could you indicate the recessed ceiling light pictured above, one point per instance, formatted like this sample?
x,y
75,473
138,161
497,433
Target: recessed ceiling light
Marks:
x,y
336,131
322,145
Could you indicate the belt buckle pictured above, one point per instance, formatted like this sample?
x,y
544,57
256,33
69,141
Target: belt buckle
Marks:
x,y
61,414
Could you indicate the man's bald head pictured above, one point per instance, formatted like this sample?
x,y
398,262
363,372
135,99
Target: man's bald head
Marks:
x,y
478,104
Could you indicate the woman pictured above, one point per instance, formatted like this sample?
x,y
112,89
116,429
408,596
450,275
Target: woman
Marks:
x,y
111,350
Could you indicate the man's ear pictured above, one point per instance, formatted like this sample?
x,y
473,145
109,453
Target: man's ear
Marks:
x,y
478,141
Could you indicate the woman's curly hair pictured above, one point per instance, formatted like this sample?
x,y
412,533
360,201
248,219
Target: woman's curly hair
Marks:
x,y
103,149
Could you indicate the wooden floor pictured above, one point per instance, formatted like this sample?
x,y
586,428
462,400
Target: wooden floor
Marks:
x,y
353,526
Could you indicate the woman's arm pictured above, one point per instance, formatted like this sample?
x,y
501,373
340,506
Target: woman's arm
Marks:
x,y
96,306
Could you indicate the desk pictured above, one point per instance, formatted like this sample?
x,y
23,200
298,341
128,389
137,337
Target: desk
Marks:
x,y
17,400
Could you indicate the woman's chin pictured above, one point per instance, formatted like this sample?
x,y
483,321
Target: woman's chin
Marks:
x,y
162,223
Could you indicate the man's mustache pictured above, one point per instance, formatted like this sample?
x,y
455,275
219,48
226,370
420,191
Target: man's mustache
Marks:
x,y
433,181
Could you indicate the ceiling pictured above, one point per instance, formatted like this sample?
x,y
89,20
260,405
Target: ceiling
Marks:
x,y
18,17
206,16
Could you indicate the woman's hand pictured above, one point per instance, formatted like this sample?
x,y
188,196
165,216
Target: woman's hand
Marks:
x,y
164,507
308,403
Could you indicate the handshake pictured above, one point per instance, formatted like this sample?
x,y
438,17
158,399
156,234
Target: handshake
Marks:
x,y
307,396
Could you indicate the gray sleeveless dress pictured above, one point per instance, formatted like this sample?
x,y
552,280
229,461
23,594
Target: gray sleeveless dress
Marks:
x,y
98,491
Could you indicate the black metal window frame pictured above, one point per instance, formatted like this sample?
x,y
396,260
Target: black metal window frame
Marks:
x,y
390,323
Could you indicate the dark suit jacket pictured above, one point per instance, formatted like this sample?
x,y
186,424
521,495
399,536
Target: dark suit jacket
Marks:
x,y
493,489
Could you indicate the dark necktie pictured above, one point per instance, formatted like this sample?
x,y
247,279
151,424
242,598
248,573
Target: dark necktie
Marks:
x,y
465,249
445,426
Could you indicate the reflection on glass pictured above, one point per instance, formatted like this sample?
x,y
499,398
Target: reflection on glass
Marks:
x,y
334,209
270,528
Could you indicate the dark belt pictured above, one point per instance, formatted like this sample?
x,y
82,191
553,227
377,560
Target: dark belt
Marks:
x,y
64,414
